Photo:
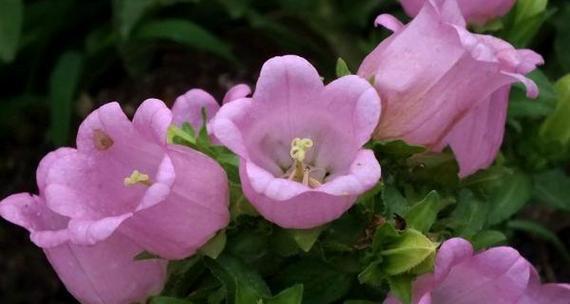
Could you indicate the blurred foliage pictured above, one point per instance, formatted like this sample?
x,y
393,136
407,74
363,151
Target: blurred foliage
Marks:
x,y
53,51
65,57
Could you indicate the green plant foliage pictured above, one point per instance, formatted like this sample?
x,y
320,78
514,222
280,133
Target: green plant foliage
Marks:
x,y
556,127
525,20
423,214
342,68
64,83
553,187
508,196
187,33
10,28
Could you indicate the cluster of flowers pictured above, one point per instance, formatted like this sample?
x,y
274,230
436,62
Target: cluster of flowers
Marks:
x,y
125,190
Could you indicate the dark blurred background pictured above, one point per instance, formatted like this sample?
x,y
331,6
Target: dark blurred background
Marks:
x,y
60,59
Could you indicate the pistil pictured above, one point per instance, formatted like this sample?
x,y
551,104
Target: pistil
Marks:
x,y
301,172
137,178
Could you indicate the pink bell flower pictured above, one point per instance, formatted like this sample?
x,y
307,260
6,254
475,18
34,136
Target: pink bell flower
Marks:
x,y
124,178
442,85
102,273
188,107
499,275
123,191
474,11
300,142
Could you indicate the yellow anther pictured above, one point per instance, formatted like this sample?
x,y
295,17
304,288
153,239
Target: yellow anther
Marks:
x,y
137,178
299,147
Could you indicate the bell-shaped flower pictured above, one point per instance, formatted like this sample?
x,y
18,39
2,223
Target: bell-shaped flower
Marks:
x,y
106,272
475,11
123,178
300,142
188,107
499,275
442,85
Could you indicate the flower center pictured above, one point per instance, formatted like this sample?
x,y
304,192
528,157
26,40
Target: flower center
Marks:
x,y
137,178
300,172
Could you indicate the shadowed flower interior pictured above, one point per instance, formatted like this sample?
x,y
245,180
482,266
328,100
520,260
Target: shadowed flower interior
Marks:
x,y
325,158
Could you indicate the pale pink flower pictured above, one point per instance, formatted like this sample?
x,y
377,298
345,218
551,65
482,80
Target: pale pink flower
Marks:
x,y
188,107
498,275
475,11
300,142
442,85
103,273
123,191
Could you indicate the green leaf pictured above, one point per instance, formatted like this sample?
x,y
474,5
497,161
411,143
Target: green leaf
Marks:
x,y
187,33
553,187
168,300
11,12
372,274
244,284
342,68
291,295
439,168
509,196
127,13
182,274
470,215
487,238
423,214
401,287
396,149
215,245
526,19
410,250
539,231
394,201
145,255
556,127
180,136
306,238
63,85
322,283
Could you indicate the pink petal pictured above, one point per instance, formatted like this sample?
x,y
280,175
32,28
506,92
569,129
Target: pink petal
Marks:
x,y
292,205
475,11
82,187
152,120
364,174
90,232
47,229
477,137
231,118
531,87
103,273
451,253
352,95
195,210
188,108
237,92
107,272
388,21
287,81
99,132
46,162
537,293
498,275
